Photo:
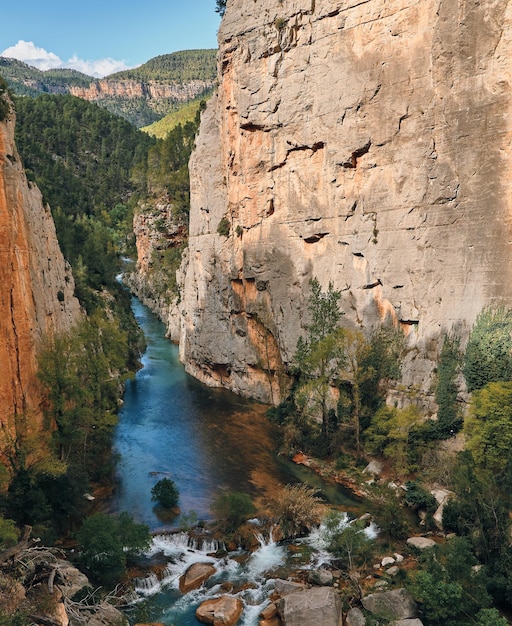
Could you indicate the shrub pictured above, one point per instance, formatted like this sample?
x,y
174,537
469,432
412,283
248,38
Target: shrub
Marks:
x,y
233,508
297,510
224,227
347,541
165,493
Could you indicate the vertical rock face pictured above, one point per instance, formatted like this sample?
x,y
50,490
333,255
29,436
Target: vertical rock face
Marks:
x,y
364,143
36,288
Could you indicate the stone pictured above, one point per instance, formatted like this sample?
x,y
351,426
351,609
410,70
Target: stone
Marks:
x,y
442,497
321,577
284,587
37,286
269,612
398,557
275,621
355,617
374,467
195,576
395,604
318,606
336,151
387,560
69,580
407,622
393,571
223,611
421,543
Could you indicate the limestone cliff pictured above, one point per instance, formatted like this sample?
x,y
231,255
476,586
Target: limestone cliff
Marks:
x,y
367,143
36,288
151,90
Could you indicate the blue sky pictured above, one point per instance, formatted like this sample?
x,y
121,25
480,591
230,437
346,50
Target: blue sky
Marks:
x,y
99,37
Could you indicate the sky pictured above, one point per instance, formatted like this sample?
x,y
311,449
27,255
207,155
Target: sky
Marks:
x,y
99,37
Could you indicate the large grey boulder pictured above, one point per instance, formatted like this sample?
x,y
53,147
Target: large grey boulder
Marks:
x,y
318,606
407,622
421,542
396,604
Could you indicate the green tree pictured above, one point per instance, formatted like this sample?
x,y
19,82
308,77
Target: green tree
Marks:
x,y
320,355
448,587
106,543
488,356
449,420
347,540
5,100
165,493
389,435
220,7
488,427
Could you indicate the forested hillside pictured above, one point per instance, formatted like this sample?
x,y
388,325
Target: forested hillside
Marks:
x,y
180,67
142,95
29,81
82,159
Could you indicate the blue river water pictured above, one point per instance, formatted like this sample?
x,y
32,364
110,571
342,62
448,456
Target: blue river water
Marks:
x,y
206,440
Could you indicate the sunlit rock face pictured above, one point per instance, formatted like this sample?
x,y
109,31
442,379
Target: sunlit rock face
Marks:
x,y
36,290
364,143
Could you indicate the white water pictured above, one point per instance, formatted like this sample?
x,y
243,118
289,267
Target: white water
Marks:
x,y
254,571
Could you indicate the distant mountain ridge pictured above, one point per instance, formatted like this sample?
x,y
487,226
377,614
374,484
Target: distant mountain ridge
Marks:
x,y
142,95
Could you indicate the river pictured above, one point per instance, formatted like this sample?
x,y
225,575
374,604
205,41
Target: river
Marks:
x,y
206,440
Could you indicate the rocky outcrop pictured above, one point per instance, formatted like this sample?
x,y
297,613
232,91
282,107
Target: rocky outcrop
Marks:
x,y
318,606
160,237
152,90
363,143
391,605
36,290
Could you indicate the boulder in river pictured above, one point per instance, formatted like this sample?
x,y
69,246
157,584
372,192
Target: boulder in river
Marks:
x,y
223,611
195,576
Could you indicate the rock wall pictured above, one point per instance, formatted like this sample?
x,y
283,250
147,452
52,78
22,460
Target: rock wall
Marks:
x,y
364,143
151,90
36,289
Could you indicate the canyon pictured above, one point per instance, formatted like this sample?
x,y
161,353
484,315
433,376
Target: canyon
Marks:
x,y
363,143
37,296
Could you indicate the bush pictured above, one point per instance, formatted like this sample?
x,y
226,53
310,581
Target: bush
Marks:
x,y
347,540
8,533
106,543
233,508
165,493
297,510
224,227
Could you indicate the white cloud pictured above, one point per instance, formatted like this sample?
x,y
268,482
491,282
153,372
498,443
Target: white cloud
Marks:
x,y
31,54
40,58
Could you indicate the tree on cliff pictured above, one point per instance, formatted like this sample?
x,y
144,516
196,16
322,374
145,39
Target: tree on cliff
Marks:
x,y
320,356
220,7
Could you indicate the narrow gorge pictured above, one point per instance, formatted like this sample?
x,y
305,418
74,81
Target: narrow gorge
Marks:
x,y
364,143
